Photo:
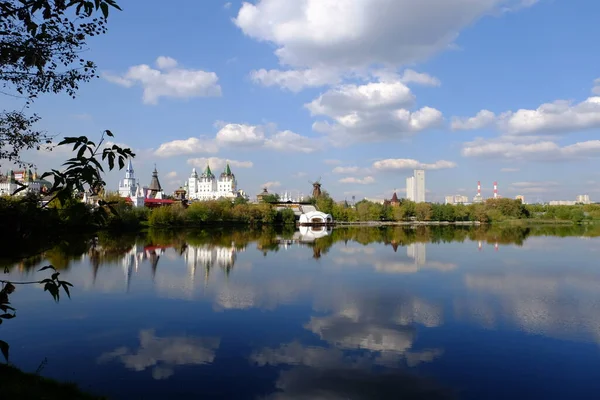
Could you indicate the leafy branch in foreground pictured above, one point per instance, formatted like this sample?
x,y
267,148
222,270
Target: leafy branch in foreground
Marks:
x,y
52,285
41,51
83,173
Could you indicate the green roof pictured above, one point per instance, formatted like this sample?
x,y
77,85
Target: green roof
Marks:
x,y
227,169
208,171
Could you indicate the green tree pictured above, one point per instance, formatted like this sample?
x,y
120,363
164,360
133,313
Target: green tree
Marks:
x,y
41,51
423,211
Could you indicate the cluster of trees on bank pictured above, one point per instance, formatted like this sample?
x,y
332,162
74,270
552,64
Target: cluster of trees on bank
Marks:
x,y
492,210
26,219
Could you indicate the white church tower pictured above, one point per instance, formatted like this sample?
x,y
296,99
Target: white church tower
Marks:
x,y
128,186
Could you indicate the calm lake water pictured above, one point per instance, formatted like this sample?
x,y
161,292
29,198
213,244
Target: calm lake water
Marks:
x,y
431,313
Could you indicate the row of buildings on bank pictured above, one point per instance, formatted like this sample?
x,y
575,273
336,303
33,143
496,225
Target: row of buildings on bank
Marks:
x,y
29,181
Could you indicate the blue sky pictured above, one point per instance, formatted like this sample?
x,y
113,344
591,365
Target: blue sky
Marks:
x,y
358,92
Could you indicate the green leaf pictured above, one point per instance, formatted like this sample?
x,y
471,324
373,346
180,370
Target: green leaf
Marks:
x,y
55,275
66,288
47,267
109,133
5,308
7,316
4,348
104,8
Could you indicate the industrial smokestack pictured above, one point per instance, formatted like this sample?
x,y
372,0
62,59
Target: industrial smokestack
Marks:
x,y
478,188
495,190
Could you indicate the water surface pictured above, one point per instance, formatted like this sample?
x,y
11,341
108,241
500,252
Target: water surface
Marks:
x,y
428,312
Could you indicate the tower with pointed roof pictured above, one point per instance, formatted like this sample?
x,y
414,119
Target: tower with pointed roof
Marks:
x,y
155,190
128,186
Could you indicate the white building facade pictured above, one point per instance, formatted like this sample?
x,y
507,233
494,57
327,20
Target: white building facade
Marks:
x,y
208,187
415,186
128,186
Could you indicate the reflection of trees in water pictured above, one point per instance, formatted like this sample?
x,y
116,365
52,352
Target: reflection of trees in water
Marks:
x,y
109,248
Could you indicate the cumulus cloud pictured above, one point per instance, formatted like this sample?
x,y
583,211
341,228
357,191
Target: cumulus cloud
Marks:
x,y
370,112
359,181
360,33
218,163
560,116
271,185
296,80
596,88
483,119
164,354
407,163
293,142
171,175
186,146
542,150
410,76
345,170
168,81
242,135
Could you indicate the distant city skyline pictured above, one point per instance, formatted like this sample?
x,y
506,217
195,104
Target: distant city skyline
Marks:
x,y
285,97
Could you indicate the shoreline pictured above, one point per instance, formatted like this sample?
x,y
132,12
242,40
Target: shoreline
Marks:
x,y
408,223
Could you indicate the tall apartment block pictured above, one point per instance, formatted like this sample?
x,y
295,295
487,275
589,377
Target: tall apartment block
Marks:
x,y
415,186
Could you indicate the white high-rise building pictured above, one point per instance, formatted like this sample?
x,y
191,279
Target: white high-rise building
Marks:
x,y
419,186
415,186
410,188
583,198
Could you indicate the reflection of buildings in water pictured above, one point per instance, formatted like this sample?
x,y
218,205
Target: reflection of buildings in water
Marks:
x,y
304,235
418,252
207,257
480,246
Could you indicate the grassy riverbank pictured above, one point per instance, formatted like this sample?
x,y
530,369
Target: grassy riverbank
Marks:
x,y
16,384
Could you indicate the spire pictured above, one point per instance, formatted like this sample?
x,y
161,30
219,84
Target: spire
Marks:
x,y
154,183
208,172
29,176
130,167
227,169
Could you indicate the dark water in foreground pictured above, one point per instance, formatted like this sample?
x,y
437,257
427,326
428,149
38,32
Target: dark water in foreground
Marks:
x,y
397,313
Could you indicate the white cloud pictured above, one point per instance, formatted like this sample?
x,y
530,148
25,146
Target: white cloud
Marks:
x,y
168,81
596,88
218,163
296,80
360,181
163,62
371,112
345,170
227,5
171,175
533,184
543,150
509,169
560,116
484,118
241,134
331,161
292,142
271,185
407,163
186,146
361,33
299,175
410,76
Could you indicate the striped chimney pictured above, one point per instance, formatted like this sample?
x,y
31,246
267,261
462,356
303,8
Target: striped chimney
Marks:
x,y
478,188
495,190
